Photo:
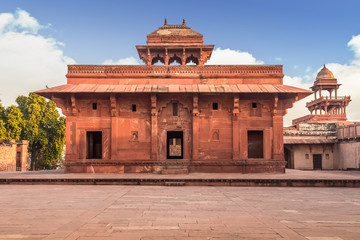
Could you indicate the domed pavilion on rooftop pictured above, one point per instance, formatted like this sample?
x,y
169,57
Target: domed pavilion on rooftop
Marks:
x,y
331,108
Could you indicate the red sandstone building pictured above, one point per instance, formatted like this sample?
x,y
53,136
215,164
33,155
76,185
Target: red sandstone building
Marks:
x,y
174,118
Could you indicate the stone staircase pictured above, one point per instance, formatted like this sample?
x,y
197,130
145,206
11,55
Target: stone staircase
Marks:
x,y
175,170
174,184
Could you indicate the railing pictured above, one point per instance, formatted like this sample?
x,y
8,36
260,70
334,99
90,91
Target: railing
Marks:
x,y
145,69
351,131
319,118
328,99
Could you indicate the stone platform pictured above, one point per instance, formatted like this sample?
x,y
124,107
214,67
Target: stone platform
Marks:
x,y
75,212
292,178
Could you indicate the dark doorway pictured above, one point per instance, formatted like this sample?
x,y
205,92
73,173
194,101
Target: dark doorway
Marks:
x,y
255,144
174,145
317,161
94,145
287,155
18,161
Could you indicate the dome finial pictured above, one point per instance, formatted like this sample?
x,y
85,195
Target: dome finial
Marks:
x,y
165,22
324,66
184,22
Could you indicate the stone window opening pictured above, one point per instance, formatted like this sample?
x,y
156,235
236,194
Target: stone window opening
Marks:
x,y
158,60
255,144
215,135
175,112
255,109
215,106
175,60
94,145
134,136
133,107
94,106
192,60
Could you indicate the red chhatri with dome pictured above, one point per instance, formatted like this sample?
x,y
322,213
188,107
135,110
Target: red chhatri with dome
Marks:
x,y
331,108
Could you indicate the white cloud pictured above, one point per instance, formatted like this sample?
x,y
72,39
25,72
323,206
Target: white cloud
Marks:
x,y
308,69
279,59
28,60
122,61
229,56
19,21
354,44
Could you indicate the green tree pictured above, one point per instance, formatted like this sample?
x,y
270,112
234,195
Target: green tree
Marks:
x,y
2,124
44,128
13,122
2,130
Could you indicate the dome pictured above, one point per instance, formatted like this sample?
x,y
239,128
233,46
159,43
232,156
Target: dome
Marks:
x,y
325,74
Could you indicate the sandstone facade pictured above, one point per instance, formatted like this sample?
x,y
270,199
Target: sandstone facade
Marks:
x,y
174,118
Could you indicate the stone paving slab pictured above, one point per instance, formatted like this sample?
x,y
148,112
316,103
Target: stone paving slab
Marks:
x,y
156,212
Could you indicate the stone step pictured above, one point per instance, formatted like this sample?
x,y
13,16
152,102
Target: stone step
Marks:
x,y
175,170
172,184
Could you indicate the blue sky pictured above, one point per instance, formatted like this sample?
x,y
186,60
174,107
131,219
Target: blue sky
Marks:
x,y
301,35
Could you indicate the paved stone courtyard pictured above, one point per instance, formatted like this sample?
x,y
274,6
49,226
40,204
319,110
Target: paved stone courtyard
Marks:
x,y
156,212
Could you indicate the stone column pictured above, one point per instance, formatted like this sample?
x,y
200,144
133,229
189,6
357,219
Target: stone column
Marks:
x,y
154,135
71,139
114,128
267,143
149,57
278,141
244,143
82,144
235,129
166,57
195,128
183,62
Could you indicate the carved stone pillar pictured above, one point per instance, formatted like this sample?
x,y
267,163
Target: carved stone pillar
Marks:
x,y
195,129
277,128
267,143
166,57
82,144
114,128
183,62
149,57
235,128
71,139
278,141
154,134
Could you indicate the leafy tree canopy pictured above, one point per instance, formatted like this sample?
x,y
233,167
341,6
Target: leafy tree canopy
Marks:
x,y
13,122
2,124
44,129
38,121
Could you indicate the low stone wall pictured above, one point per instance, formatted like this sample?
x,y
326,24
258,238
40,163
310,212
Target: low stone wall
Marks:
x,y
10,150
348,154
7,155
